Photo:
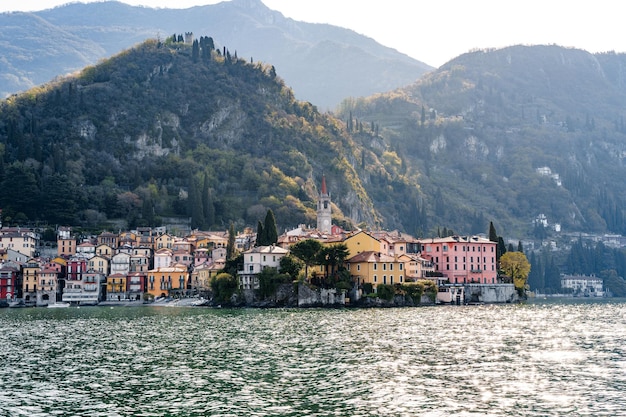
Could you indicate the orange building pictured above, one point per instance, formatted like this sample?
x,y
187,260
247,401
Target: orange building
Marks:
x,y
167,281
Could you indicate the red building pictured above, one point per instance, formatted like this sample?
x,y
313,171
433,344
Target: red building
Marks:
x,y
8,283
76,267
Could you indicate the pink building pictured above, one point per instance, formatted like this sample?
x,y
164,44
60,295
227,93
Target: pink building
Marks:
x,y
462,259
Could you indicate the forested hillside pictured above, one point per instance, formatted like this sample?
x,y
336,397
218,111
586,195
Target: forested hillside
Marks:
x,y
170,128
511,135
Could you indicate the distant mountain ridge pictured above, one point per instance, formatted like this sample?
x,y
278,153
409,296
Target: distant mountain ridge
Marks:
x,y
322,63
518,135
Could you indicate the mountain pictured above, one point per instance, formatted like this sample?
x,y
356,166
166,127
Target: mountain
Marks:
x,y
170,129
322,63
529,136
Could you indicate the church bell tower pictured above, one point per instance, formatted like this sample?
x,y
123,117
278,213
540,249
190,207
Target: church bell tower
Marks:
x,y
323,209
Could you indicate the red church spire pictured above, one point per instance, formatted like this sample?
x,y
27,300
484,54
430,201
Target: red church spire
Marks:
x,y
324,192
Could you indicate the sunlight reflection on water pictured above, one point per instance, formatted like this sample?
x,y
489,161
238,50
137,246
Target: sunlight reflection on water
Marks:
x,y
539,359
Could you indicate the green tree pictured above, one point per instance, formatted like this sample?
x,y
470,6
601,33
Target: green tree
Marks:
x,y
385,291
515,265
535,277
58,202
500,249
552,275
493,236
195,51
260,235
269,228
332,256
307,251
224,285
613,283
291,266
20,180
194,201
230,246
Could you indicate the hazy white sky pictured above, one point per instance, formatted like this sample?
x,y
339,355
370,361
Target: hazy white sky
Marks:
x,y
435,31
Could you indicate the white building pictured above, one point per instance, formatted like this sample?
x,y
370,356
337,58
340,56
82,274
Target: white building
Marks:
x,y
257,258
84,291
120,263
583,285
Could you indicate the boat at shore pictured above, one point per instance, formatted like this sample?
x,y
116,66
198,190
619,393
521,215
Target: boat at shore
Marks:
x,y
17,304
58,305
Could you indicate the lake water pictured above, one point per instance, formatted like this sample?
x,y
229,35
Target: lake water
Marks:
x,y
544,358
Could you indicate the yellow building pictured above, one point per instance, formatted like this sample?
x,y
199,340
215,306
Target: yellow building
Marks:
x,y
164,241
167,281
98,264
116,287
375,268
416,267
212,240
362,242
105,250
19,240
31,271
127,239
47,291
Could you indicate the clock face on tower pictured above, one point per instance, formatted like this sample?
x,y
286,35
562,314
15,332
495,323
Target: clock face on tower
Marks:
x,y
325,222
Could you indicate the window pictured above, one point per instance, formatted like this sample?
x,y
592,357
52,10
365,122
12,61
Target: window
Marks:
x,y
445,248
384,267
375,266
358,267
375,278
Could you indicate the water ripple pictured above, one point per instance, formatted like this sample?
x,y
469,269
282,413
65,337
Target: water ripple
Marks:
x,y
541,359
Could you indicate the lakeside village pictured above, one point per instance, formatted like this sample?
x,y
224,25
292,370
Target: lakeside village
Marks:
x,y
150,265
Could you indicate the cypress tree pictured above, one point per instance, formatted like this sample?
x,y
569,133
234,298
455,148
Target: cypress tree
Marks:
x,y
493,236
195,205
230,247
269,228
501,249
195,51
260,235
